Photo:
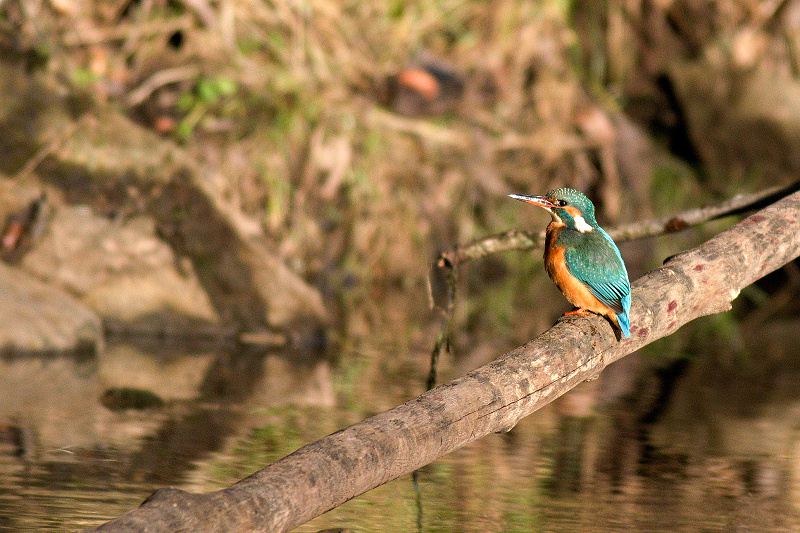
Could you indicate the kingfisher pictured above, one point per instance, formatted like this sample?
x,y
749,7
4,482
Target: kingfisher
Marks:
x,y
582,259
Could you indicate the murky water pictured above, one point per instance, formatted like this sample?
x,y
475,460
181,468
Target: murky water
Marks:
x,y
691,447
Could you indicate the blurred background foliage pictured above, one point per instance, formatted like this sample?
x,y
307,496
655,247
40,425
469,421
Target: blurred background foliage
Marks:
x,y
363,138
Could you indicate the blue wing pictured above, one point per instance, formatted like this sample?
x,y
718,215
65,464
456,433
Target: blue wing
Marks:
x,y
601,268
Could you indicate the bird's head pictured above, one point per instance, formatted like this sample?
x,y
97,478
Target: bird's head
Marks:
x,y
567,206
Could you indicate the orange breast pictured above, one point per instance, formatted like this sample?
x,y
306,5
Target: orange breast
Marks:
x,y
571,287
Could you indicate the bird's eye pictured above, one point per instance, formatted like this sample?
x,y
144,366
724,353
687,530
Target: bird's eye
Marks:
x,y
561,203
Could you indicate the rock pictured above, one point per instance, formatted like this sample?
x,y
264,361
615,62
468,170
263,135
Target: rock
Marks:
x,y
100,149
244,276
287,296
40,318
122,270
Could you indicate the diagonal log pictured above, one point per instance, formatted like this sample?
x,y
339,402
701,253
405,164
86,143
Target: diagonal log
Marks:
x,y
493,398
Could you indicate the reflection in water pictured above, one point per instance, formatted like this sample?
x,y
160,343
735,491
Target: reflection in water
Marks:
x,y
66,495
706,446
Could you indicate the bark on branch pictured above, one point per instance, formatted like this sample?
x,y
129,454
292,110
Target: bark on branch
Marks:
x,y
493,398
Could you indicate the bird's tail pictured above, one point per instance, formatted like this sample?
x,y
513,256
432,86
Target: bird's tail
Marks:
x,y
624,322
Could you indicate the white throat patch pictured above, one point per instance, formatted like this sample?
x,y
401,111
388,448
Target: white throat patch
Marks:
x,y
581,225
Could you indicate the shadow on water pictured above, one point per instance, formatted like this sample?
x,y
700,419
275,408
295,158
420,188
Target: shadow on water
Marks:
x,y
707,445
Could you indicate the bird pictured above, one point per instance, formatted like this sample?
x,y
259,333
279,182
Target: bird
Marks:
x,y
582,259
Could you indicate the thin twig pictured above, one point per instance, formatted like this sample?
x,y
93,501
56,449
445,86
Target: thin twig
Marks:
x,y
738,204
144,29
442,345
158,80
523,240
425,130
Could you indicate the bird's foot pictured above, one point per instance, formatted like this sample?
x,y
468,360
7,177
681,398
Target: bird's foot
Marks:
x,y
579,312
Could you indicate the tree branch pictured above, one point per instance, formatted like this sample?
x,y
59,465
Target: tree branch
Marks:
x,y
522,240
493,398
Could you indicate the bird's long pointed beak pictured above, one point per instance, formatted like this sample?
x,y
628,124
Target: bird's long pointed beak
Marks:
x,y
541,201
